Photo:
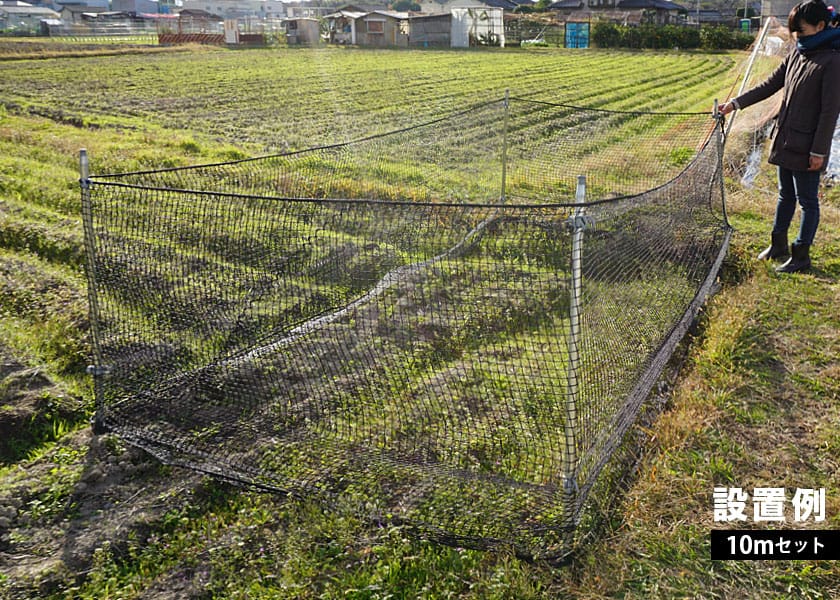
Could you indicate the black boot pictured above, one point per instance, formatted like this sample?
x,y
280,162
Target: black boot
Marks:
x,y
799,259
777,249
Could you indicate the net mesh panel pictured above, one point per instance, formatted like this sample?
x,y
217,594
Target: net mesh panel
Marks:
x,y
388,321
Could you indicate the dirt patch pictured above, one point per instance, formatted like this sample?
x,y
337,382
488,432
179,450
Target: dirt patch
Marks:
x,y
69,492
86,495
32,409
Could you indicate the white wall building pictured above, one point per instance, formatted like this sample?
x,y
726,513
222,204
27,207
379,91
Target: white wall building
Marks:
x,y
295,10
232,9
20,15
136,6
59,5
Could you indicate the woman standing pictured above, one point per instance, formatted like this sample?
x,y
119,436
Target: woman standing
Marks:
x,y
810,78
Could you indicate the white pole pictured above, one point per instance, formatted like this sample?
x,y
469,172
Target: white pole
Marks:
x,y
84,166
570,455
758,44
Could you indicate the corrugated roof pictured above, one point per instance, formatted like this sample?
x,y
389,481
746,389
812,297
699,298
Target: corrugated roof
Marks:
x,y
28,10
345,13
506,4
348,14
431,17
363,8
657,4
390,13
565,4
81,8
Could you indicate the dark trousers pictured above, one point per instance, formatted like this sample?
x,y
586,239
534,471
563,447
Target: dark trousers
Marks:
x,y
798,187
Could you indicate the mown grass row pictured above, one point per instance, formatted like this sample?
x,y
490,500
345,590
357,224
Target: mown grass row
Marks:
x,y
261,96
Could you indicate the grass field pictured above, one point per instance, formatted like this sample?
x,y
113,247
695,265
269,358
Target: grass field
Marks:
x,y
755,402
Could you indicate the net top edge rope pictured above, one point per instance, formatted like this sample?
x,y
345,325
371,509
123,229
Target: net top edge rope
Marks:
x,y
614,111
399,203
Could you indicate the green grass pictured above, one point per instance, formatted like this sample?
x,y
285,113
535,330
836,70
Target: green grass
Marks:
x,y
252,98
756,402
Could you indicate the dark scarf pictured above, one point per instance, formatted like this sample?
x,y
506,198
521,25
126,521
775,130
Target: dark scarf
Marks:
x,y
827,38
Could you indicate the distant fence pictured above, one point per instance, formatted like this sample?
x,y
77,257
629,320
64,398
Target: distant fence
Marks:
x,y
518,30
213,39
99,30
452,327
141,39
169,29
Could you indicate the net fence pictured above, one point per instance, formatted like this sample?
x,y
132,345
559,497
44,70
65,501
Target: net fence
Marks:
x,y
451,326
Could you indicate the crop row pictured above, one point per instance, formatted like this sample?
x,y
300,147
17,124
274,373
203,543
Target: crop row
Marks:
x,y
270,100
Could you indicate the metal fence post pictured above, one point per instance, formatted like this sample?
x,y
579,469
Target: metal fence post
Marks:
x,y
719,140
570,455
97,370
757,45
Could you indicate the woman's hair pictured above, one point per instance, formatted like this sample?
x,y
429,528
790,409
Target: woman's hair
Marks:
x,y
812,12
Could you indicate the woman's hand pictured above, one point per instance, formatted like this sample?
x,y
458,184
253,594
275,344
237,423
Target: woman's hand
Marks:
x,y
815,163
726,108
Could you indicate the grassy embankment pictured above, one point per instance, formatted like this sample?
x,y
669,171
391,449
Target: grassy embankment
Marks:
x,y
756,402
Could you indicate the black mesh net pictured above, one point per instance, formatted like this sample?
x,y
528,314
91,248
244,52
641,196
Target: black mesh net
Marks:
x,y
447,325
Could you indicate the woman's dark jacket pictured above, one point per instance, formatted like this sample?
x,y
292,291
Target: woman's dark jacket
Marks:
x,y
810,104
